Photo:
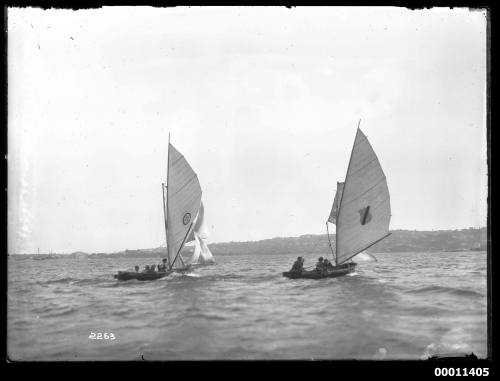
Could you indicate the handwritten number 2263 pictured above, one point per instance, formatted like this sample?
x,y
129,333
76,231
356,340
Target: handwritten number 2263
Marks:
x,y
101,336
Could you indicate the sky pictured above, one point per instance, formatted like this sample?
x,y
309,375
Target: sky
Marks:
x,y
263,102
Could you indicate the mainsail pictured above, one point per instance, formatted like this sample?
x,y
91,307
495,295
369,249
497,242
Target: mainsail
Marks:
x,y
182,203
364,210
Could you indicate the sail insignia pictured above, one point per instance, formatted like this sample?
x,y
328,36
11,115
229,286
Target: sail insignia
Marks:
x,y
365,215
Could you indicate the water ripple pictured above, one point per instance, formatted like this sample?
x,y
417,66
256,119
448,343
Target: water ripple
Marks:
x,y
403,306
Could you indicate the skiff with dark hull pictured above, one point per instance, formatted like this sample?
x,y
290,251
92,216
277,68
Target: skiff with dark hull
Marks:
x,y
361,211
340,270
184,220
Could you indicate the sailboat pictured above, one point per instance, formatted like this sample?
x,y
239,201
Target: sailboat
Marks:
x,y
184,214
361,211
184,219
42,257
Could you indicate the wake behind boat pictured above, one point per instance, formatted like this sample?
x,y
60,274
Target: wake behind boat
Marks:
x,y
184,222
361,213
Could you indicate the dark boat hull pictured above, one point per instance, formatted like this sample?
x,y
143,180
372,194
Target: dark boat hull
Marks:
x,y
129,275
313,274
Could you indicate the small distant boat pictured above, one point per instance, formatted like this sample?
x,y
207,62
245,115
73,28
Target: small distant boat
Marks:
x,y
42,257
183,215
361,211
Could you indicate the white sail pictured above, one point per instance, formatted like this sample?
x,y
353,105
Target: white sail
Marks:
x,y
197,251
199,234
206,255
365,211
201,254
336,203
199,225
183,202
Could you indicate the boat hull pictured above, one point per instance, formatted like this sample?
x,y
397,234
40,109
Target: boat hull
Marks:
x,y
313,274
129,275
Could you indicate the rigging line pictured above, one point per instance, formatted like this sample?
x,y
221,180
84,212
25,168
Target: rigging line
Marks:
x,y
330,243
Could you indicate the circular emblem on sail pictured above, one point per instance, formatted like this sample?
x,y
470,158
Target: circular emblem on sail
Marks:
x,y
186,218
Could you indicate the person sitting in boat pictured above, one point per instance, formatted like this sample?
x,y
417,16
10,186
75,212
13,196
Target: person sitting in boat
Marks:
x,y
136,269
320,266
298,265
163,266
329,266
146,268
152,268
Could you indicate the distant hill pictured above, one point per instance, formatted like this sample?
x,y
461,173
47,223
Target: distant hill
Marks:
x,y
398,241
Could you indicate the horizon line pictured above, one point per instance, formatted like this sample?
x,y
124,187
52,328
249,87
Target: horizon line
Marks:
x,y
258,240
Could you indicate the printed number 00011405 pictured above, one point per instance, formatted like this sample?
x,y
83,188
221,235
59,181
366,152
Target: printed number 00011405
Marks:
x,y
462,372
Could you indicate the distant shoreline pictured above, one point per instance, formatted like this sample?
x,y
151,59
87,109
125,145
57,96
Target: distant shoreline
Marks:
x,y
472,239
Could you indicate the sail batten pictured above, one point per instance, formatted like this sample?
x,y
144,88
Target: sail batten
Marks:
x,y
187,183
364,210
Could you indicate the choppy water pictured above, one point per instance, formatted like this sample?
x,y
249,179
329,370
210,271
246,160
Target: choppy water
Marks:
x,y
403,306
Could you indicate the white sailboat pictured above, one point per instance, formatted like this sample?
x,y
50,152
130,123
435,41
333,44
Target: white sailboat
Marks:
x,y
361,210
183,216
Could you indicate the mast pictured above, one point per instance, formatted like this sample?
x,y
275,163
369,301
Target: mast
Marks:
x,y
165,205
341,197
165,219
